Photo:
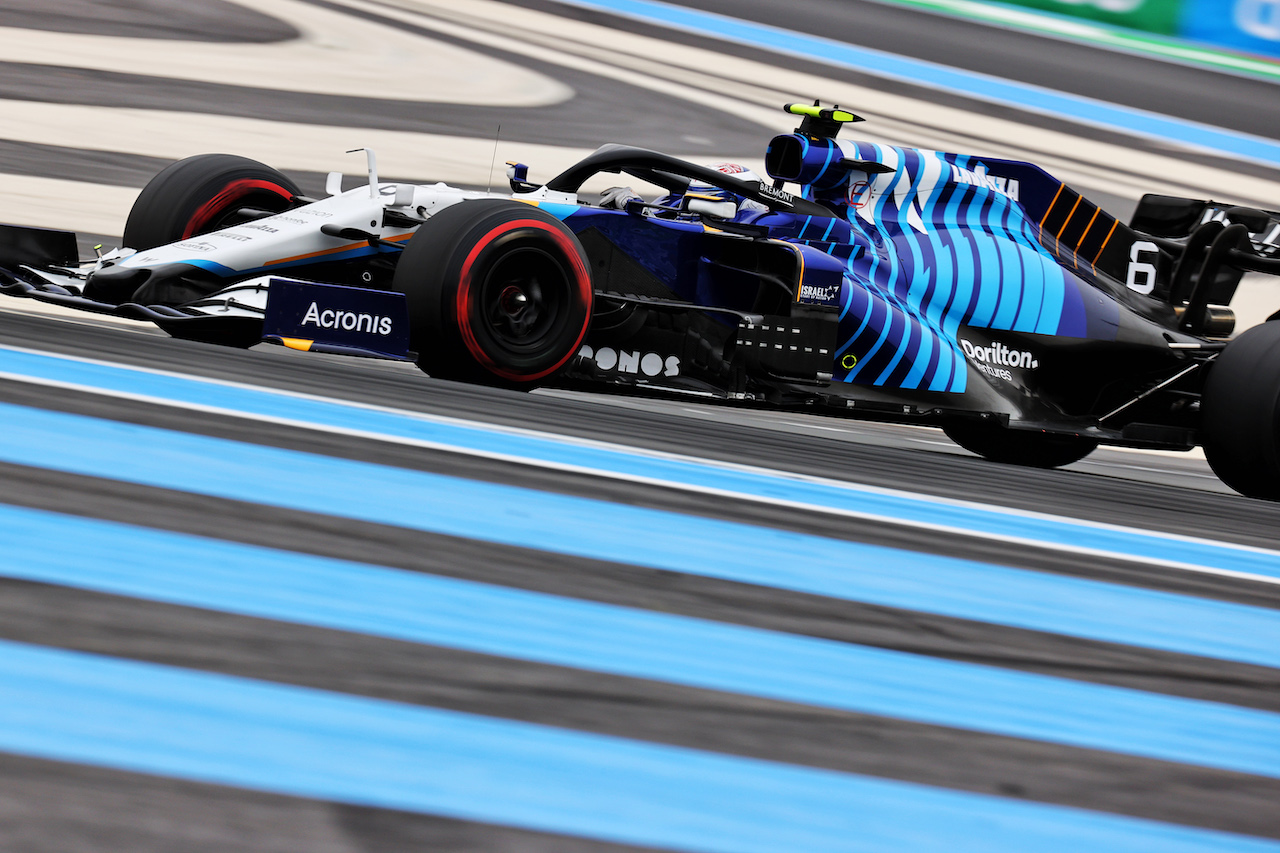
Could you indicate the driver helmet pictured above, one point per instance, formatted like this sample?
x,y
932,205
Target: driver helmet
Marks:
x,y
737,170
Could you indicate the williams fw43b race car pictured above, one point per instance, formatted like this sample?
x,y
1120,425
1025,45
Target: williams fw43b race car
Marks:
x,y
979,295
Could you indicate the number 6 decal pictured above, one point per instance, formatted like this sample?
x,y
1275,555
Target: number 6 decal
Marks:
x,y
1137,268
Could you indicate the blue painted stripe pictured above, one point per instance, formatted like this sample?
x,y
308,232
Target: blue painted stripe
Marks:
x,y
881,272
226,271
946,376
74,707
1055,288
907,282
211,266
825,165
962,250
1037,272
280,585
922,73
664,540
1010,270
842,497
988,278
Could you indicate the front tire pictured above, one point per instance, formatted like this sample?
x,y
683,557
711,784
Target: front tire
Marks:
x,y
499,293
195,196
1240,413
1019,447
202,194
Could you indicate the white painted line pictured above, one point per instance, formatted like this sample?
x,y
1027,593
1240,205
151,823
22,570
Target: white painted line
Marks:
x,y
707,465
18,305
1147,468
751,89
66,205
336,54
666,69
814,426
286,145
1162,129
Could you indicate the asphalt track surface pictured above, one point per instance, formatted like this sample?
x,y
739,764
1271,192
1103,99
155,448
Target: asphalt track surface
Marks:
x,y
1134,81
229,622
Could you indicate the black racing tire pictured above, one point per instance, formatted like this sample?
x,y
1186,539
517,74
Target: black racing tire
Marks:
x,y
202,194
1240,413
499,293
1019,447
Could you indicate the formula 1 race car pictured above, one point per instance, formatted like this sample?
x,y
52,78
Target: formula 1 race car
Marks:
x,y
979,295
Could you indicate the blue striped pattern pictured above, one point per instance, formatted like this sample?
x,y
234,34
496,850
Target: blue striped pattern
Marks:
x,y
114,713
155,719
663,540
943,254
420,608
276,406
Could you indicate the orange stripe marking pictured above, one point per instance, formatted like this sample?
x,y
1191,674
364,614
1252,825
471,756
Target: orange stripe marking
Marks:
x,y
1090,225
1087,228
1058,236
1114,226
800,280
346,247
1051,204
1069,215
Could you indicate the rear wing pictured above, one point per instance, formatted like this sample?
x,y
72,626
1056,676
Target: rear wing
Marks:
x,y
1212,244
1174,218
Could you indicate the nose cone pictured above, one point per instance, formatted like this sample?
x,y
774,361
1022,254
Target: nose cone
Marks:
x,y
115,284
166,284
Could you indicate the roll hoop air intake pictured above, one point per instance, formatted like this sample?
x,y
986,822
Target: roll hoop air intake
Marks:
x,y
811,155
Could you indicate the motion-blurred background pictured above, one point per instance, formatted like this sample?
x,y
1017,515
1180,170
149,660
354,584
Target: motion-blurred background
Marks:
x,y
224,631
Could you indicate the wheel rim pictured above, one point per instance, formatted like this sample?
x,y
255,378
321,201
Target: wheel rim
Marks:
x,y
523,300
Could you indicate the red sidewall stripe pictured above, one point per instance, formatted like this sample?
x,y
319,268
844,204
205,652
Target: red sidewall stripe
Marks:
x,y
463,300
231,192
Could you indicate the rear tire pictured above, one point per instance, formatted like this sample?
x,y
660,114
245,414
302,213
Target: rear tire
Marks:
x,y
499,293
1240,413
202,194
1019,447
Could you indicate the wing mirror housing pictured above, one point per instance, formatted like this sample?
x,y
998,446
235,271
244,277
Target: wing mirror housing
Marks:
x,y
713,207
